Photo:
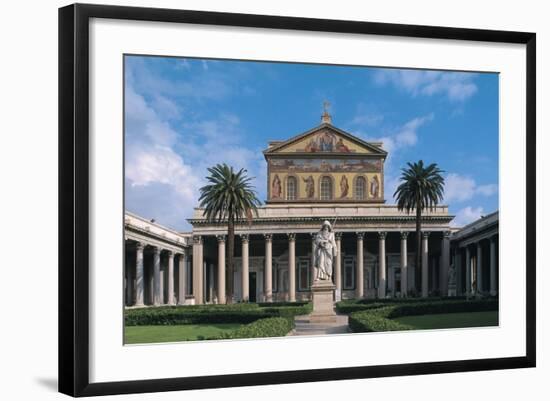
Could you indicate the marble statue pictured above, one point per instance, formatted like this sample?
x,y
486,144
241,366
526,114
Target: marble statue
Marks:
x,y
325,252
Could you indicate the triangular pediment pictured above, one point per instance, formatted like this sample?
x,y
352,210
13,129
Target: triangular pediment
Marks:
x,y
325,139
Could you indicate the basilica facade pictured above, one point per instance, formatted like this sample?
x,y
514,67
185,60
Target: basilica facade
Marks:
x,y
322,174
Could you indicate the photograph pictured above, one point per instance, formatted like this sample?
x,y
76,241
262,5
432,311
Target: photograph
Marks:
x,y
269,199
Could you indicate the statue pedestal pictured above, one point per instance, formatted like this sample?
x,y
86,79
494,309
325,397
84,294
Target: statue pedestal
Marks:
x,y
451,291
323,302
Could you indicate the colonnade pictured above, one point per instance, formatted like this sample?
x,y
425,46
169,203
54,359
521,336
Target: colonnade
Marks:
x,y
135,283
475,264
198,263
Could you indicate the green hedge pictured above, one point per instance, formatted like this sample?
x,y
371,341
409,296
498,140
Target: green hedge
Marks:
x,y
269,327
379,319
346,308
281,304
362,322
355,305
289,311
197,314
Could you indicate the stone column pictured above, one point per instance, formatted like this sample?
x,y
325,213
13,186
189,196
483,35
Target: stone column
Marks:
x,y
128,279
203,278
140,279
197,269
292,267
211,283
445,261
151,284
425,236
171,278
359,290
182,278
403,263
338,266
479,269
268,290
221,270
458,270
313,270
244,277
162,282
468,272
156,276
382,265
493,266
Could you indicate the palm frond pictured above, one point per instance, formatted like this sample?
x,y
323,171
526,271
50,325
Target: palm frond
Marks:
x,y
228,194
421,187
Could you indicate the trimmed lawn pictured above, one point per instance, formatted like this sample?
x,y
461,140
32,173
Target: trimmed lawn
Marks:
x,y
451,320
184,332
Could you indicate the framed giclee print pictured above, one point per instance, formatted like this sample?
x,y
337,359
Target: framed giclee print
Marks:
x,y
302,199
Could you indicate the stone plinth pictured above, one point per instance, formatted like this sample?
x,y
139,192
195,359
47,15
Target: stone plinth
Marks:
x,y
451,292
323,302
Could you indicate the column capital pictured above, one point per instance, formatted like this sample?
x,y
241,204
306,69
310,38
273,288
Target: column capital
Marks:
x,y
404,234
291,236
382,235
244,238
156,249
446,234
140,246
268,237
360,235
220,238
170,253
425,234
338,235
197,239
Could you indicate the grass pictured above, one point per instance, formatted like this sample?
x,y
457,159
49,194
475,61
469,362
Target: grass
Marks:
x,y
451,320
184,332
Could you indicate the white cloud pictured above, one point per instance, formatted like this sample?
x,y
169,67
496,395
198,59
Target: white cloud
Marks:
x,y
457,86
365,117
459,188
467,215
153,170
407,135
165,165
487,190
404,136
197,84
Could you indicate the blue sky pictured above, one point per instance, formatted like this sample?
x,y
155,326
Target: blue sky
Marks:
x,y
184,115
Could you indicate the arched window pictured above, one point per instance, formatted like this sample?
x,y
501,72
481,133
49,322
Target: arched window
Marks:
x,y
326,188
291,188
360,188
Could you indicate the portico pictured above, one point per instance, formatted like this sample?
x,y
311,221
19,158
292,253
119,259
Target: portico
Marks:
x,y
474,251
156,264
273,259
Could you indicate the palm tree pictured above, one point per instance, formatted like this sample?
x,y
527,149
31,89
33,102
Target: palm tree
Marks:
x,y
421,188
229,197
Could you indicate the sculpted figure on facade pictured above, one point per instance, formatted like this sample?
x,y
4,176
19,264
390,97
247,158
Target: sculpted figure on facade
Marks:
x,y
310,186
344,187
374,187
325,252
276,187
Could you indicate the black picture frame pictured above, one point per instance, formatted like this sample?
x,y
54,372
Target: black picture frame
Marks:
x,y
74,198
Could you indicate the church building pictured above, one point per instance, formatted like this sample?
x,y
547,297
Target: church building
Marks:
x,y
322,174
